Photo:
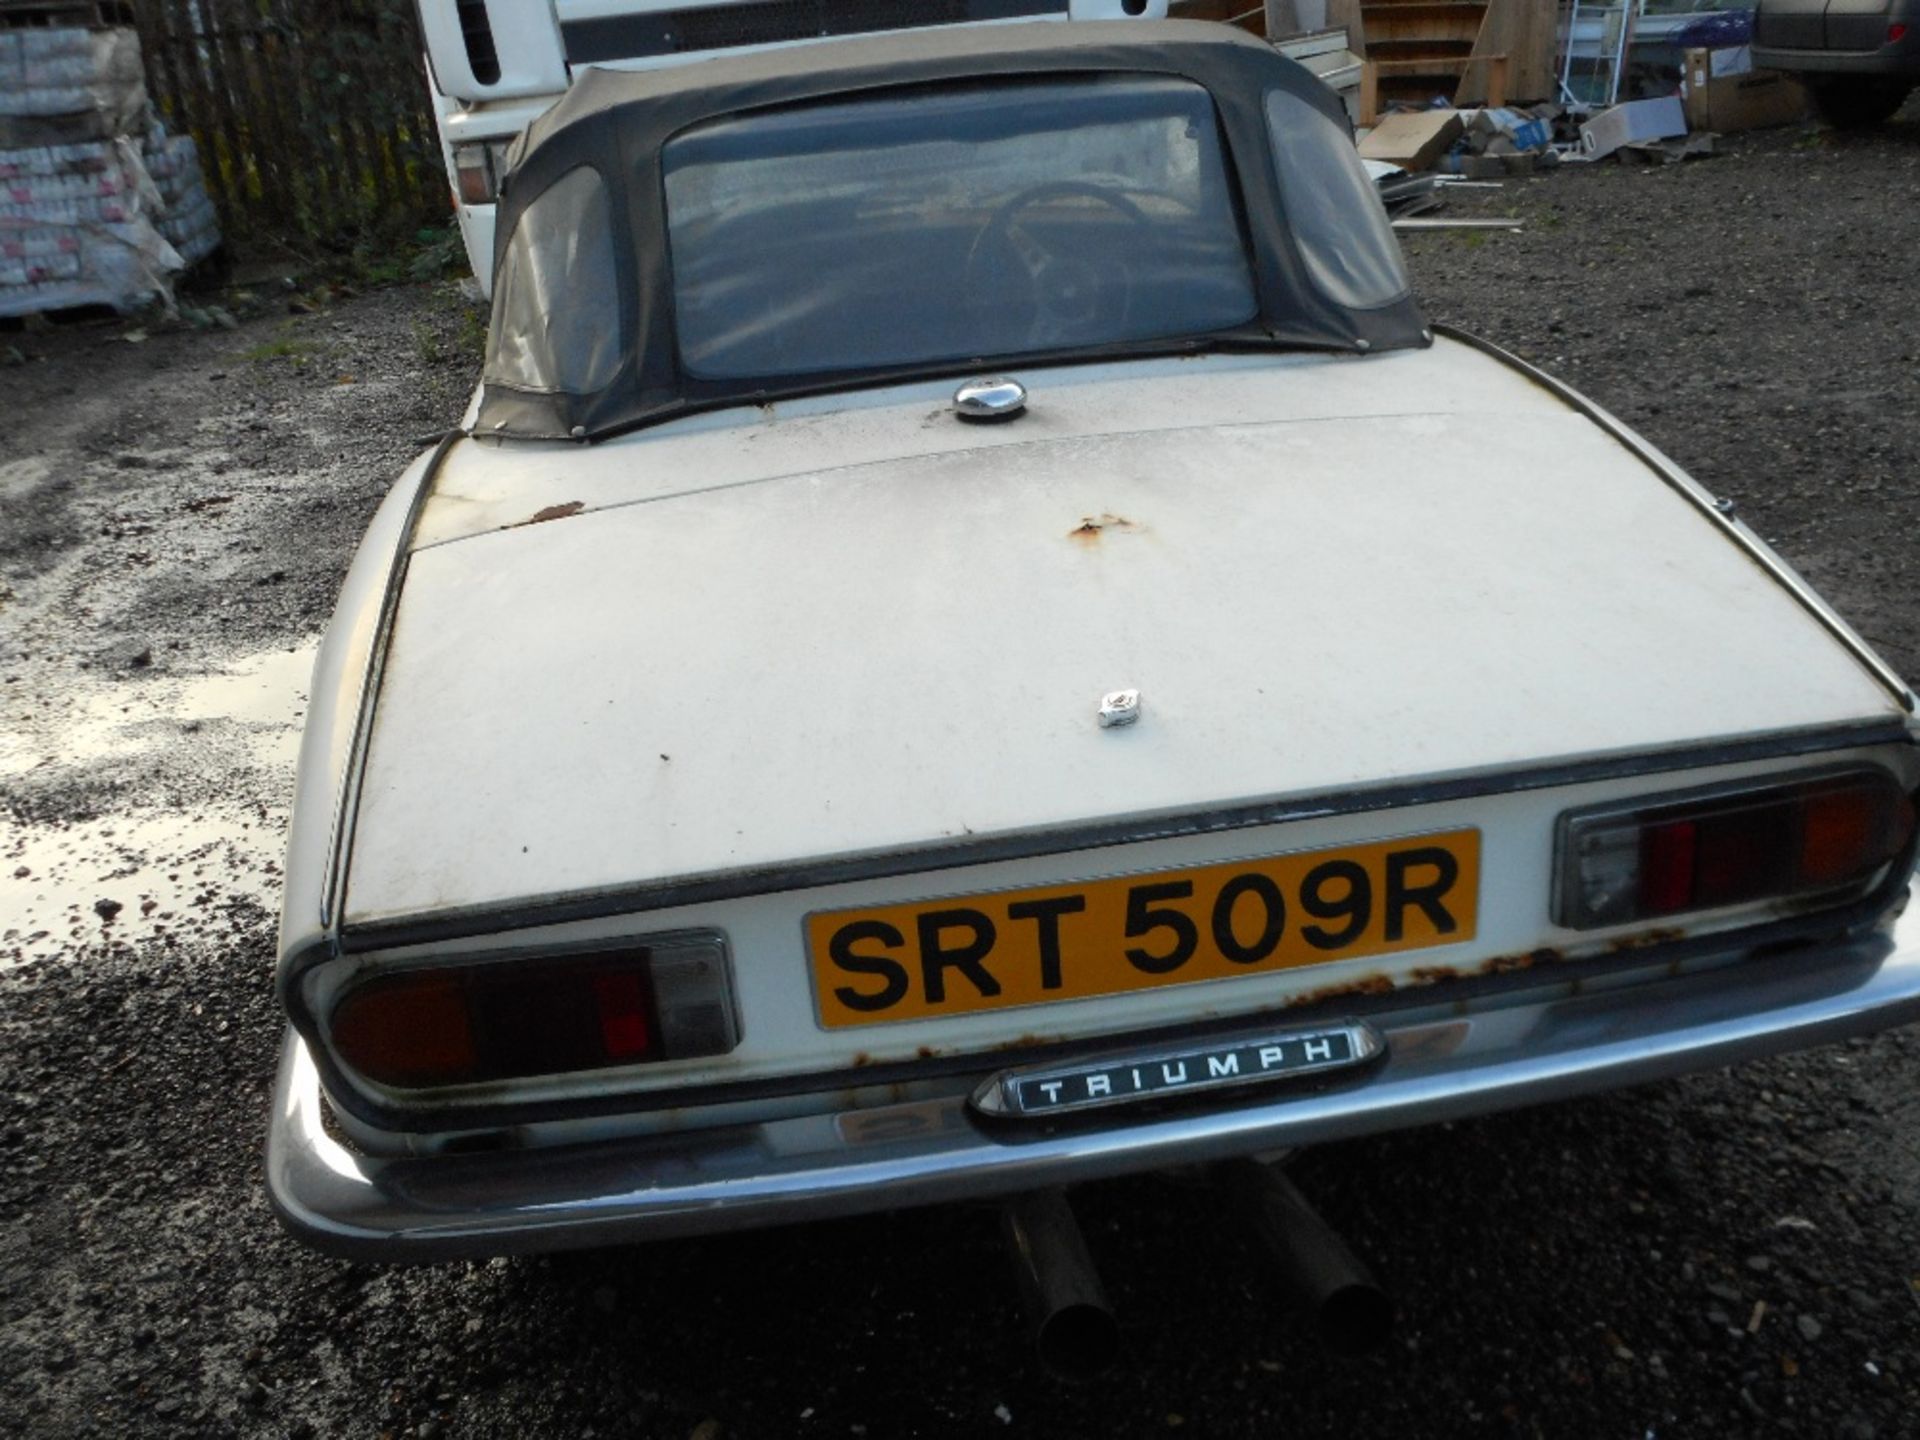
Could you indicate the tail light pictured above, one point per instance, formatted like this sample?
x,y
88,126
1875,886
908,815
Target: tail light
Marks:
x,y
517,1018
1732,845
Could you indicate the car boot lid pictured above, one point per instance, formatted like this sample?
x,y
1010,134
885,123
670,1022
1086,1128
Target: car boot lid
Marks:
x,y
725,655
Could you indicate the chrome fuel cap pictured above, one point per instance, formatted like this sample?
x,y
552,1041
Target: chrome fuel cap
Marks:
x,y
992,397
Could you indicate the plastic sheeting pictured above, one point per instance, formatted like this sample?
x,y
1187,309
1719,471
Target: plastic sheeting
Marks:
x,y
98,204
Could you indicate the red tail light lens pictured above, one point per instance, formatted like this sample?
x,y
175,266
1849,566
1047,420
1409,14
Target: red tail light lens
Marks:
x,y
1728,846
1896,32
407,1032
626,1015
513,1019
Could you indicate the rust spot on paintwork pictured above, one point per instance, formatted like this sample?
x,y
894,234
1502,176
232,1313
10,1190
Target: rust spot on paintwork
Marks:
x,y
1422,975
551,512
862,1058
1092,527
926,1052
1027,1041
1365,985
1526,960
1646,938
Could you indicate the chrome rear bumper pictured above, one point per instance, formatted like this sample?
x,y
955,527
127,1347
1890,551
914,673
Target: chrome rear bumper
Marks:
x,y
1443,1063
1900,58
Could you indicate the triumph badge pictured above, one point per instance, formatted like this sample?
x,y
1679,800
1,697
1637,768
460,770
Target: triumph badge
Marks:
x,y
1165,1073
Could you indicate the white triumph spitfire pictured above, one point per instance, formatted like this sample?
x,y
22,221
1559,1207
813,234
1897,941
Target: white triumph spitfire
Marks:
x,y
973,638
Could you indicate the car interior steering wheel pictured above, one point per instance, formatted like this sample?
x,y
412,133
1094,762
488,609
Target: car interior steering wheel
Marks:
x,y
1064,293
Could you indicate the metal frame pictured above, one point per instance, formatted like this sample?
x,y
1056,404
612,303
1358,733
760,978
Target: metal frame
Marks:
x,y
347,805
1611,53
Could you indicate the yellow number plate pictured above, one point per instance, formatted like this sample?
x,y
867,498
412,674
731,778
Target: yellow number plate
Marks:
x,y
1133,932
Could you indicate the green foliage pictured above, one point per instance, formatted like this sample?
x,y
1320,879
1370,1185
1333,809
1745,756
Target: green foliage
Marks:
x,y
453,330
440,253
472,334
428,254
426,345
290,348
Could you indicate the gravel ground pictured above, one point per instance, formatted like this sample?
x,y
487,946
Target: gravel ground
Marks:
x,y
1728,1255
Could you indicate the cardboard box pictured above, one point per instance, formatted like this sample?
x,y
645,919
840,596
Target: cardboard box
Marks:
x,y
1413,139
1741,100
1504,131
1630,123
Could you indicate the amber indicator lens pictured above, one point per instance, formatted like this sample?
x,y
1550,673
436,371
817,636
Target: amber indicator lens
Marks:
x,y
519,1018
477,168
1625,863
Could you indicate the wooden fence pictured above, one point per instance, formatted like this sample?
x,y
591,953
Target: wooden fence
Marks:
x,y
312,116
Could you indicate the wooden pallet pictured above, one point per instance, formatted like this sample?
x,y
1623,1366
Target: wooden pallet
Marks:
x,y
1465,52
1421,76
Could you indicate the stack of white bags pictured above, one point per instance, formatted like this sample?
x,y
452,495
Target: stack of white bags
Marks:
x,y
98,204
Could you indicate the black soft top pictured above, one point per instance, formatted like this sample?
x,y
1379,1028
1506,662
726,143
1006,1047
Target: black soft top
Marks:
x,y
617,123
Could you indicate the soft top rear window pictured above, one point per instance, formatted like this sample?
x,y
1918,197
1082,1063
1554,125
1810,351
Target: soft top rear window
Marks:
x,y
935,224
930,203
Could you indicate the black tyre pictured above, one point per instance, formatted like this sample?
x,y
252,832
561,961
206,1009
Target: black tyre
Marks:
x,y
1849,102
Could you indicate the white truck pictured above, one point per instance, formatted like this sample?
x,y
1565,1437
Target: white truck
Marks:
x,y
493,65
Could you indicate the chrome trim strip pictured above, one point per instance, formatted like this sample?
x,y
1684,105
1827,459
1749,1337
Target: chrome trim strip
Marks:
x,y
1720,516
347,803
1445,1062
440,926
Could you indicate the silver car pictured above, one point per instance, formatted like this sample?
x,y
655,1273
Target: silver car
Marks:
x,y
974,638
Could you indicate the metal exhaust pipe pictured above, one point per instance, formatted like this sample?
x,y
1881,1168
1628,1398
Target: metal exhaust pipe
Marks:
x,y
1074,1331
1350,1311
